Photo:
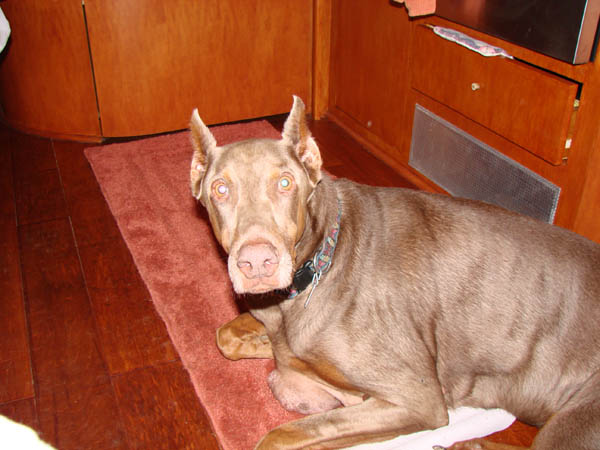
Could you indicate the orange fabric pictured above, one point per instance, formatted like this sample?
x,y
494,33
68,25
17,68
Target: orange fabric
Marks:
x,y
418,7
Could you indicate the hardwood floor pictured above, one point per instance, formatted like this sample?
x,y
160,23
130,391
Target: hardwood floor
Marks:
x,y
84,358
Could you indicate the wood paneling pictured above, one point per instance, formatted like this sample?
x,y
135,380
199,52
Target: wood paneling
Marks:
x,y
526,105
567,176
155,61
587,144
369,66
46,82
322,57
368,81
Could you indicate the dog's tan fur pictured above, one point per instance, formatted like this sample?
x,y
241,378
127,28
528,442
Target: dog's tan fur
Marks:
x,y
430,303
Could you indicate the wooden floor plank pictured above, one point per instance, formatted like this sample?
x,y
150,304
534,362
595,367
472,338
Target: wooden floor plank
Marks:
x,y
75,400
63,341
518,434
21,411
40,198
16,380
38,191
91,218
160,409
31,156
131,332
80,416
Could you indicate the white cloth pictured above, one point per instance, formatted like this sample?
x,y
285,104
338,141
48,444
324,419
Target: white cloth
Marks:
x,y
4,30
14,436
465,423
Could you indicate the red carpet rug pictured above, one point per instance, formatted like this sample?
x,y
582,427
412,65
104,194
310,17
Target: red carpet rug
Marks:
x,y
146,185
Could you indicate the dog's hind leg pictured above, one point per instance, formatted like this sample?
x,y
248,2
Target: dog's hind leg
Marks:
x,y
244,337
577,424
373,420
299,393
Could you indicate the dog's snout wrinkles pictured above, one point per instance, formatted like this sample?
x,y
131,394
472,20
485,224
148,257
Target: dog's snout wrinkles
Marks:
x,y
257,260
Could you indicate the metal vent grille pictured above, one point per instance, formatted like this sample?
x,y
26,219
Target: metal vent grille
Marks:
x,y
466,167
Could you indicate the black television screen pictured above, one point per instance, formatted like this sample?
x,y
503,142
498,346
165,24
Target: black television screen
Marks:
x,y
565,30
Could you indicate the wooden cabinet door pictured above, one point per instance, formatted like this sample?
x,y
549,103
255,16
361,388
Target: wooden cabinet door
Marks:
x,y
370,67
46,82
156,60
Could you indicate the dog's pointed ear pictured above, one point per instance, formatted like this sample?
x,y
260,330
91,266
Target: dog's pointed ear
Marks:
x,y
297,134
203,143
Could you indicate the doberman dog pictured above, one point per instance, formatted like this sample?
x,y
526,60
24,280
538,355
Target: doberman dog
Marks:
x,y
384,307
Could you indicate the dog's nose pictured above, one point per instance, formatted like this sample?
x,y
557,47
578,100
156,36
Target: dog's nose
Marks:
x,y
257,260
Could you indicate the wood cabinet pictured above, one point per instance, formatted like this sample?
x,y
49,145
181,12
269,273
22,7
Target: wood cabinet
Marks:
x,y
384,64
150,62
370,66
46,83
156,60
527,105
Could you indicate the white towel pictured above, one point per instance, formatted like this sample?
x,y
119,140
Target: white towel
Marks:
x,y
4,30
16,436
465,423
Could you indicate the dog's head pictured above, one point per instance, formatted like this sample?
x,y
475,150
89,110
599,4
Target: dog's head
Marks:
x,y
256,192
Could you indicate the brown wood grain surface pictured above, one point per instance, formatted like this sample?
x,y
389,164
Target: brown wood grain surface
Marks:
x,y
155,61
15,361
369,77
360,80
46,82
526,105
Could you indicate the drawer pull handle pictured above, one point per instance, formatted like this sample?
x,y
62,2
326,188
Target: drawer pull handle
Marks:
x,y
475,86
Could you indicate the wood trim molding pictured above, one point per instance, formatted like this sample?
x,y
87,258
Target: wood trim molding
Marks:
x,y
321,57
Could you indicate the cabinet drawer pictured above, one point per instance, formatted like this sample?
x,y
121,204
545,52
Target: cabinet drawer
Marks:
x,y
528,106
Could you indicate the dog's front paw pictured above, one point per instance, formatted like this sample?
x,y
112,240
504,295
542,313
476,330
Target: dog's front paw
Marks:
x,y
244,337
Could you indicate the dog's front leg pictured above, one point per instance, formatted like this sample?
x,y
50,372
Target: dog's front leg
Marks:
x,y
371,421
244,337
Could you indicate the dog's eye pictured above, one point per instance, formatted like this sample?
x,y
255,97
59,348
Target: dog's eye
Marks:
x,y
286,182
220,189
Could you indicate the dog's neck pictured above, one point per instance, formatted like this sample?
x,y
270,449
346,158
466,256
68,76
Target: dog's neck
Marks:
x,y
322,214
321,231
